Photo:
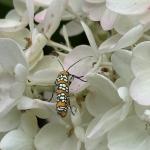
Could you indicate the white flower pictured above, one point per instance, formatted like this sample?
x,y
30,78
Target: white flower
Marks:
x,y
130,134
128,7
131,14
140,66
97,11
23,136
107,105
117,41
63,135
13,75
121,62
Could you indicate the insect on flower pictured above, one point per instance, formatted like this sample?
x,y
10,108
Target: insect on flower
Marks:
x,y
62,83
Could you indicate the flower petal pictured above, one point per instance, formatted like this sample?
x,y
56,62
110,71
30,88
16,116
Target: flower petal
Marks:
x,y
128,7
121,61
29,124
108,19
139,89
82,67
128,135
73,28
114,116
10,121
11,55
52,19
51,136
99,100
140,61
16,140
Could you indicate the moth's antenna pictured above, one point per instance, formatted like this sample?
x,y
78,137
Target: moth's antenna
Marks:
x,y
78,61
60,63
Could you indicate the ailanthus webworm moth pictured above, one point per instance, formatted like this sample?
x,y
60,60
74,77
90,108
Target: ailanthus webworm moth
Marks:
x,y
62,83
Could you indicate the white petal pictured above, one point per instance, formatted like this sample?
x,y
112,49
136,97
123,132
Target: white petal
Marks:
x,y
30,11
129,135
80,133
76,5
43,3
38,107
13,25
108,121
70,144
16,90
130,37
109,44
95,1
139,89
102,96
121,61
46,71
6,104
44,77
124,93
96,144
29,124
10,121
140,61
89,35
19,36
76,119
20,73
140,111
20,6
94,11
73,28
51,136
128,7
16,140
11,55
124,23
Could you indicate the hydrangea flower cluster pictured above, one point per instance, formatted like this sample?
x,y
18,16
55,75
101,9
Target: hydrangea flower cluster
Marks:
x,y
109,97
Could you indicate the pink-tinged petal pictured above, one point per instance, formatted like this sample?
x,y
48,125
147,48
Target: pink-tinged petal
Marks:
x,y
108,19
75,55
82,67
52,19
39,17
128,7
